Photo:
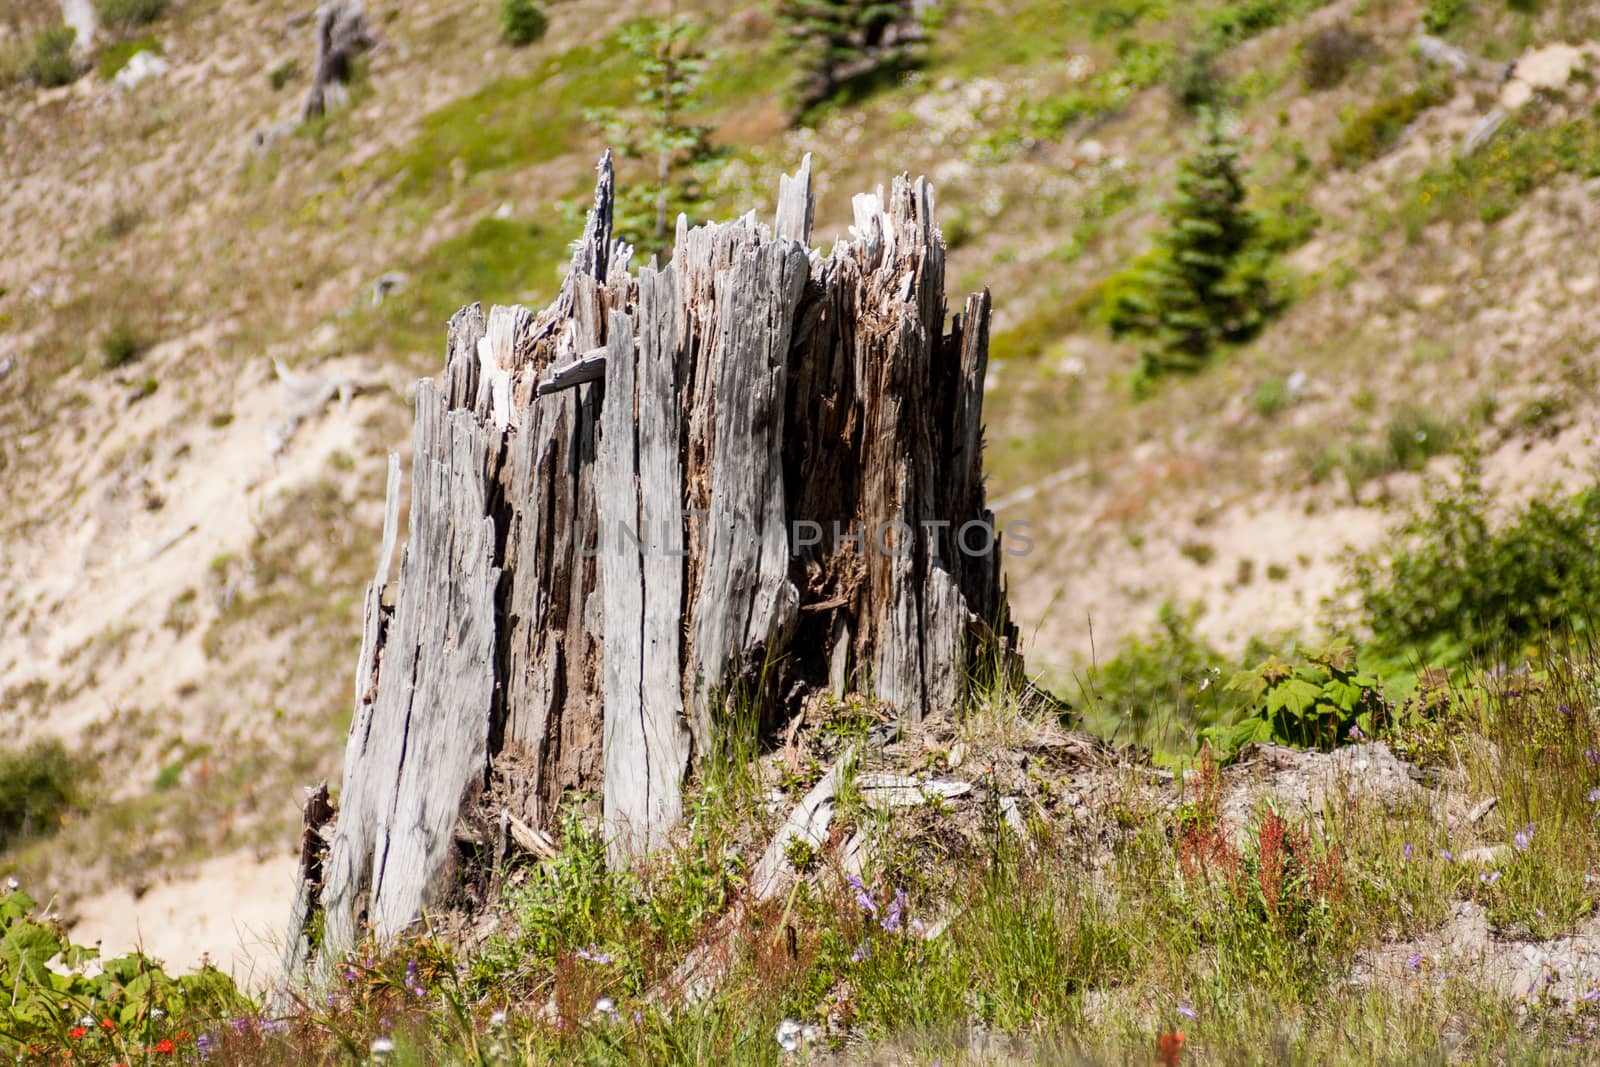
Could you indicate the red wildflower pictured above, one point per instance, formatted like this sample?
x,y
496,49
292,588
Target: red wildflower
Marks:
x,y
1169,1047
164,1047
77,1032
107,1024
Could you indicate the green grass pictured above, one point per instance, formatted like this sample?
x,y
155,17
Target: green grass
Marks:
x,y
1173,923
1371,132
1489,185
516,122
495,261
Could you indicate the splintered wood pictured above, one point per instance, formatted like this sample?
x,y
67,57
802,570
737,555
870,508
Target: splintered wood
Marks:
x,y
677,494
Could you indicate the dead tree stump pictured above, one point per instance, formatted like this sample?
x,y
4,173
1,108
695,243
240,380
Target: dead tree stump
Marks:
x,y
342,35
749,477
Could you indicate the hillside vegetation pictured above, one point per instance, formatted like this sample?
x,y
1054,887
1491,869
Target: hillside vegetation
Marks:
x,y
1292,382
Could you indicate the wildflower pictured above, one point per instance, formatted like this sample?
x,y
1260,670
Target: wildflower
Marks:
x,y
1522,838
206,1044
594,955
1444,854
1488,877
164,1047
607,1008
863,951
891,921
1169,1047
1415,962
867,904
1355,733
1594,796
1187,1012
1591,755
87,1020
382,1046
274,1027
1408,852
498,1019
1591,996
12,884
789,1035
77,1032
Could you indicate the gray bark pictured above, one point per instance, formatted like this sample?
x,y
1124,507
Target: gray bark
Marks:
x,y
558,626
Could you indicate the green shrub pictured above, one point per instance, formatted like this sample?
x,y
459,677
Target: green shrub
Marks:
x,y
121,345
1270,397
1158,686
1327,55
129,1002
1320,703
52,62
1372,132
1195,83
283,74
522,21
1453,585
1243,19
37,786
129,14
1439,15
114,58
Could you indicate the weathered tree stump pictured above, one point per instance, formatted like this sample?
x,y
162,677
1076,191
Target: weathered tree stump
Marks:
x,y
750,477
342,35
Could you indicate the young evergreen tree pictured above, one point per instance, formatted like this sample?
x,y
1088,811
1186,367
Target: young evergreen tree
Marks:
x,y
658,131
842,41
1204,282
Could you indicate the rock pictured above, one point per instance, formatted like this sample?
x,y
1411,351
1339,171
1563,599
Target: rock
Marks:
x,y
1486,855
1549,67
387,285
1301,783
140,69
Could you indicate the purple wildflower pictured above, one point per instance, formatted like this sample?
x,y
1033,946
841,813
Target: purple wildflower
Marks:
x,y
891,921
592,954
863,898
1187,1012
1591,996
1408,852
1415,962
1523,838
1591,755
863,951
1444,854
1594,796
1355,733
205,1044
1488,877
